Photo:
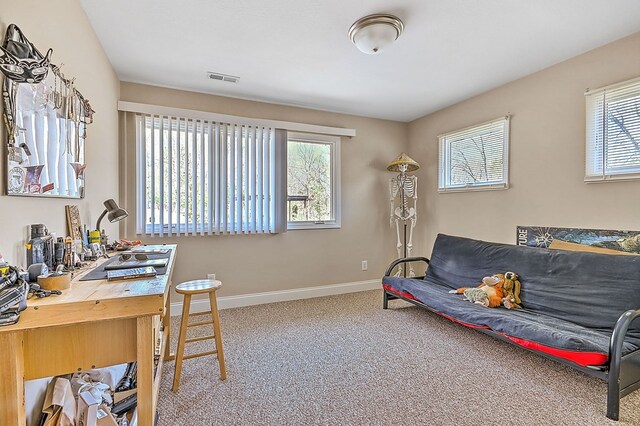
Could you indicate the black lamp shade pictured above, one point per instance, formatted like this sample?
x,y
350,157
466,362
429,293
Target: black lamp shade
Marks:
x,y
113,212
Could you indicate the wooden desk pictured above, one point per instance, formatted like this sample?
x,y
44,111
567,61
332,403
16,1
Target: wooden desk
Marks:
x,y
91,325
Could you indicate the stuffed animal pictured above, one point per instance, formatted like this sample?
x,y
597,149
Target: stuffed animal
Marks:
x,y
492,293
511,290
477,295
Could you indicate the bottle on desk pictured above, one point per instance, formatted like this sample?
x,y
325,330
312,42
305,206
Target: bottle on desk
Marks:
x,y
68,253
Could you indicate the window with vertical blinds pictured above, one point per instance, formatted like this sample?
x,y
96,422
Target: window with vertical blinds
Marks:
x,y
475,158
198,177
613,132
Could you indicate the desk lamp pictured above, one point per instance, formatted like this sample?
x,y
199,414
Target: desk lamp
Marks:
x,y
115,213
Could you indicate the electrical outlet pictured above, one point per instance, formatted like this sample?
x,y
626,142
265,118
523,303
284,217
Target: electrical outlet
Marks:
x,y
365,266
211,276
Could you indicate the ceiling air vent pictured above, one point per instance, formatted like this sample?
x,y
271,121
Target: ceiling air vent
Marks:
x,y
223,77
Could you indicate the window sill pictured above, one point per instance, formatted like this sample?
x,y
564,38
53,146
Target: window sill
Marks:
x,y
470,188
294,226
612,178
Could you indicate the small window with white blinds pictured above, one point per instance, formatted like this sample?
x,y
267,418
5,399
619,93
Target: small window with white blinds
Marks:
x,y
198,177
613,132
475,158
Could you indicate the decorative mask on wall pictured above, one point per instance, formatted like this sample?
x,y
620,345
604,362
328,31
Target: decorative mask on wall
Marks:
x,y
20,60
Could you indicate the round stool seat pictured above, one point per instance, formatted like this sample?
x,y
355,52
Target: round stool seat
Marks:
x,y
198,286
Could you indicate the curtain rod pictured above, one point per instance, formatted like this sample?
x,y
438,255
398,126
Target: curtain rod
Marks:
x,y
224,118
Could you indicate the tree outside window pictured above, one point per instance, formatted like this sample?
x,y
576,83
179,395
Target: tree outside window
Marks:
x,y
309,181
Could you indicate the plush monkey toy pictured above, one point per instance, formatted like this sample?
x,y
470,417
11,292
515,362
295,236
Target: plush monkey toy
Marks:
x,y
496,290
511,290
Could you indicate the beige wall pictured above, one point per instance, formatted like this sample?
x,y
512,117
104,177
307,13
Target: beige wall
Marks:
x,y
301,258
547,154
63,26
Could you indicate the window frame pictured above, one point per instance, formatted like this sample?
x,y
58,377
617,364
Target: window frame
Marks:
x,y
596,141
444,155
334,144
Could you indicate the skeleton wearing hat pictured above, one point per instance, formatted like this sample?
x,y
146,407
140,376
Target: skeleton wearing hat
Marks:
x,y
403,191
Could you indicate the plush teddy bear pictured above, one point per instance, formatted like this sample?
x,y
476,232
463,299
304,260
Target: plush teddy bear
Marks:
x,y
511,291
496,290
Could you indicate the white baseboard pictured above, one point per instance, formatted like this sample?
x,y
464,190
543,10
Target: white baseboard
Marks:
x,y
225,302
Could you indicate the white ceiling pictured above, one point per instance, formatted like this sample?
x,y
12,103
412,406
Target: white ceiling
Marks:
x,y
297,52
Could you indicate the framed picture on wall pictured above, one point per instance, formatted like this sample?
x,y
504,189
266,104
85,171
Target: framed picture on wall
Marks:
x,y
595,240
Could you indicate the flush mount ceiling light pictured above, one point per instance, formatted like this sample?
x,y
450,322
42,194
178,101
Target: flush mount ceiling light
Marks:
x,y
373,33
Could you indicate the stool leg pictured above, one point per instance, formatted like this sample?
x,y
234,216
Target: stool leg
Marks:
x,y
186,305
218,335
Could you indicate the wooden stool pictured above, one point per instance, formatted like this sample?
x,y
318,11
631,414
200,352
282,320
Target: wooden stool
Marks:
x,y
188,289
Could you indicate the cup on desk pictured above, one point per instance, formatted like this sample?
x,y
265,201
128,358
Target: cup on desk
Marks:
x,y
94,237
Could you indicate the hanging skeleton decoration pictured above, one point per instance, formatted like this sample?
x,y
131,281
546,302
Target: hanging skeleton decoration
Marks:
x,y
403,191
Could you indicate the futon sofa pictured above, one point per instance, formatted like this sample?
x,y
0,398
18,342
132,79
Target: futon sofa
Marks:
x,y
578,308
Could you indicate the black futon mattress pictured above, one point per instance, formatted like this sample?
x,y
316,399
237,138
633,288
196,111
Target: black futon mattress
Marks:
x,y
571,300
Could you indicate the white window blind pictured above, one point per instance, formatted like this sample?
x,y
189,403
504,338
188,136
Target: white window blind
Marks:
x,y
613,132
198,177
475,157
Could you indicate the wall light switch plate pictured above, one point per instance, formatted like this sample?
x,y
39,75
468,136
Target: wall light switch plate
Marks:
x,y
365,266
211,276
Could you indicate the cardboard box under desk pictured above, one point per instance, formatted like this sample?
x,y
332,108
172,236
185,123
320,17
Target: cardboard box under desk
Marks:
x,y
119,396
87,409
158,329
105,418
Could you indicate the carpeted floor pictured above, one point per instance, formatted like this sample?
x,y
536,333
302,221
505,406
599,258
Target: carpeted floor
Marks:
x,y
343,360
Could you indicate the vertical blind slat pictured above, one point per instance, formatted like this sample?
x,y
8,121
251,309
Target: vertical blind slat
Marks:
x,y
217,178
224,178
232,180
142,135
224,149
153,176
202,177
272,177
267,180
161,180
252,175
210,180
259,179
238,218
170,183
194,179
178,178
186,178
245,180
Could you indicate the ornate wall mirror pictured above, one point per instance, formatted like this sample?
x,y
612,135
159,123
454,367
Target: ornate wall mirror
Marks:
x,y
45,119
